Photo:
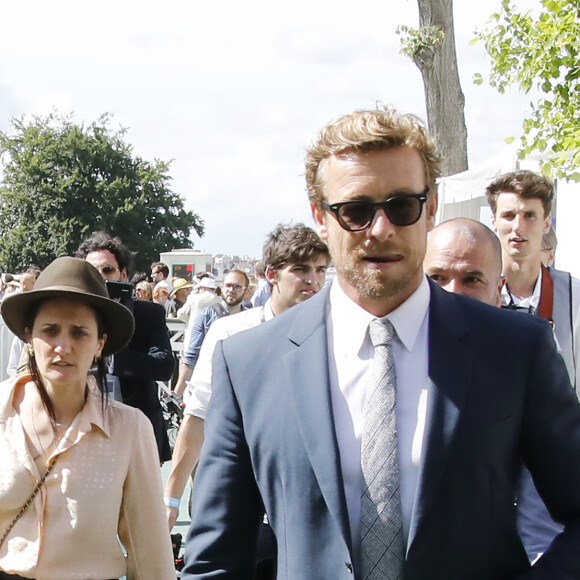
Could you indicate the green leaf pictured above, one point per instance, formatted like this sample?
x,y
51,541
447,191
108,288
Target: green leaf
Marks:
x,y
537,52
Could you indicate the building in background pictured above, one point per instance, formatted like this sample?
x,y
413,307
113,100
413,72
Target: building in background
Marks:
x,y
185,263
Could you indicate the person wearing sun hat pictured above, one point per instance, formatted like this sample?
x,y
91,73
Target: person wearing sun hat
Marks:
x,y
181,290
77,468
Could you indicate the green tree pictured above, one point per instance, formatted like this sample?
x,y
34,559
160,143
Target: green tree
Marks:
x,y
537,51
61,181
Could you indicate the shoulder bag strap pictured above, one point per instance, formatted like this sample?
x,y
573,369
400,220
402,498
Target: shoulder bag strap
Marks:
x,y
29,500
546,306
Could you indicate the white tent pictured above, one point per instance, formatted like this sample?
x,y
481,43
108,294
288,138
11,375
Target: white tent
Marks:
x,y
463,195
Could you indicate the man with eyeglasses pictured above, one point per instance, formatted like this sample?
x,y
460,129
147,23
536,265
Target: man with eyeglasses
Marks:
x,y
148,358
233,287
160,276
382,424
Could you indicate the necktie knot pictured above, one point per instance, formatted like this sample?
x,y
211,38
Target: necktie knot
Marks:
x,y
381,331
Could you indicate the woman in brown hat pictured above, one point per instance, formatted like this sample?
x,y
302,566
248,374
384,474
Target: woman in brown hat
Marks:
x,y
78,472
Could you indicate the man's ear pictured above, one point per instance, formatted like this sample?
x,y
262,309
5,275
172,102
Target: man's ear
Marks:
x,y
319,219
431,208
499,287
101,344
271,275
547,223
124,276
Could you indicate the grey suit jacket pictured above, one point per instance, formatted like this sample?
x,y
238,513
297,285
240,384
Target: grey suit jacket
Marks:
x,y
500,396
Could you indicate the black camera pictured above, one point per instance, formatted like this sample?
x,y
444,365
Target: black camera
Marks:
x,y
119,289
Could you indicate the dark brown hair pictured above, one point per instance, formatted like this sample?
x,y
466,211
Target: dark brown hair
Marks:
x,y
526,184
293,244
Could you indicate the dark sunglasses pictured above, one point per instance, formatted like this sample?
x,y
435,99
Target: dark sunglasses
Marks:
x,y
108,269
401,210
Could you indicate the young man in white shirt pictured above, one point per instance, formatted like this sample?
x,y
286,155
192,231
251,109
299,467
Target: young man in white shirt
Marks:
x,y
521,205
296,262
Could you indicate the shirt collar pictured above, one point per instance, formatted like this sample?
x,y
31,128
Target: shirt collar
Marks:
x,y
354,321
7,395
267,313
408,317
90,415
533,300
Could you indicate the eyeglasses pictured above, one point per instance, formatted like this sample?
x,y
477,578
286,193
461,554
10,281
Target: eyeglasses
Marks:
x,y
401,210
235,287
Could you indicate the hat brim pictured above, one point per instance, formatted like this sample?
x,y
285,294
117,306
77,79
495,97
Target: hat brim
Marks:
x,y
118,320
176,290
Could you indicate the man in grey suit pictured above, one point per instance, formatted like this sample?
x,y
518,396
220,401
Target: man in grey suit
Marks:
x,y
383,423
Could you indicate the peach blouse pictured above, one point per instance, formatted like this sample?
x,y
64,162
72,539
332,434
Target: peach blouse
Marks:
x,y
105,488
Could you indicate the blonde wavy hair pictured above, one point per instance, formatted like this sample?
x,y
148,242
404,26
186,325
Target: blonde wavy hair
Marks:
x,y
369,130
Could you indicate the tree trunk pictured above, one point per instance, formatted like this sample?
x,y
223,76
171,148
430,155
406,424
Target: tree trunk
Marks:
x,y
443,94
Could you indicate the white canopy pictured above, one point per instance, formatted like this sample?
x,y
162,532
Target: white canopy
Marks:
x,y
463,195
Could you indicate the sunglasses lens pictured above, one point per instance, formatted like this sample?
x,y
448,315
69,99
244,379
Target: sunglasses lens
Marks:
x,y
403,210
356,216
108,269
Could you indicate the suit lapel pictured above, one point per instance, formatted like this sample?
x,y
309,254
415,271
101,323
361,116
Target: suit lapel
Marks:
x,y
450,370
306,368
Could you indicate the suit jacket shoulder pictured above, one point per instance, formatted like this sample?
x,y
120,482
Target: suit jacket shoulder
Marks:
x,y
292,326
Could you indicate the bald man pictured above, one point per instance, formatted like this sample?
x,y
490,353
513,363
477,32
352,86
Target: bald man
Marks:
x,y
464,256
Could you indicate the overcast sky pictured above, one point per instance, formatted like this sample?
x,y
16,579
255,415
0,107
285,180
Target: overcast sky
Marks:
x,y
233,91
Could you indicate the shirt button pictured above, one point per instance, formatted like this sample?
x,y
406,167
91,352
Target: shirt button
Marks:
x,y
348,567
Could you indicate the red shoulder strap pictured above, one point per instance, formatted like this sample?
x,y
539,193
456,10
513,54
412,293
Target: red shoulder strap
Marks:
x,y
546,305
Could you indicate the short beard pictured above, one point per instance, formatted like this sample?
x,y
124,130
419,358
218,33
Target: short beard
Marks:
x,y
370,284
232,304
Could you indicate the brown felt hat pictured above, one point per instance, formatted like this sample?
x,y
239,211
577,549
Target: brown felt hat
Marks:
x,y
75,279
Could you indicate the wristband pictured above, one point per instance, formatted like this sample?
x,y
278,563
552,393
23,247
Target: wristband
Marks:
x,y
171,502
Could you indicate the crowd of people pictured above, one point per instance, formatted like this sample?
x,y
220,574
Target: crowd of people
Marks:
x,y
374,426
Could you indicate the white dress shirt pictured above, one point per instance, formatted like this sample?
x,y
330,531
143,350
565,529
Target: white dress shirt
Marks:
x,y
199,387
350,356
529,301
